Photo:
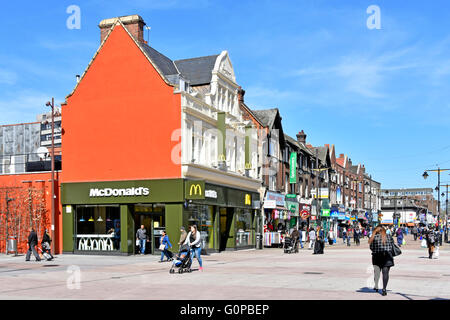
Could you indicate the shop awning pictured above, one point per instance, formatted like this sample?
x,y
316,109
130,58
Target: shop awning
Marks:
x,y
410,224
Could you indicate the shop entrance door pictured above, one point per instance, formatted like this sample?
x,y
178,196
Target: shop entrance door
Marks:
x,y
226,219
146,220
153,219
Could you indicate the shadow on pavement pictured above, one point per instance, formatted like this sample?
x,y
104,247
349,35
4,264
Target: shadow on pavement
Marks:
x,y
366,290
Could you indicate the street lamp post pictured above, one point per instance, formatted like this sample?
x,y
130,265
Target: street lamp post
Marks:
x,y
446,212
425,175
52,105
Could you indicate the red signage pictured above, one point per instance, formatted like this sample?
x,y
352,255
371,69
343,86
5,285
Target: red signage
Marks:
x,y
305,214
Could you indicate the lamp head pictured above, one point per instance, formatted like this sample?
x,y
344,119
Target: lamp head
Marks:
x,y
48,104
425,175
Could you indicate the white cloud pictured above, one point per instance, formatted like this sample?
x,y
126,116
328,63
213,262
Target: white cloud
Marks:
x,y
23,106
363,75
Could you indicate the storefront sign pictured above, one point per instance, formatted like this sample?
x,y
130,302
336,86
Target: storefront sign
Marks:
x,y
293,168
375,217
194,189
110,192
248,199
305,214
313,218
341,216
338,195
279,198
334,214
323,193
325,212
305,201
293,208
211,194
132,191
270,204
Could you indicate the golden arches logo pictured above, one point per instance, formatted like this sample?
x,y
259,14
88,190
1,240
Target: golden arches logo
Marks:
x,y
196,188
248,166
248,199
222,157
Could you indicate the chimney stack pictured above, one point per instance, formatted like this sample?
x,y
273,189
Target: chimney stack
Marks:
x,y
241,94
301,137
134,24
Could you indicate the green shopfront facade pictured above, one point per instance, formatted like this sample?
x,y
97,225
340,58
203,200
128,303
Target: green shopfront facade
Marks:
x,y
103,217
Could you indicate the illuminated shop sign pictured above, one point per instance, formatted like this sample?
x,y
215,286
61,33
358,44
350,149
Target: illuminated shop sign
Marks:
x,y
126,192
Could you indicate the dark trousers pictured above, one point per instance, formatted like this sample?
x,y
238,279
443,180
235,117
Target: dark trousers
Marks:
x,y
415,236
430,250
31,248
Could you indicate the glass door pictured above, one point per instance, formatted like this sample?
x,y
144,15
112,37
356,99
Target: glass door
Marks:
x,y
153,217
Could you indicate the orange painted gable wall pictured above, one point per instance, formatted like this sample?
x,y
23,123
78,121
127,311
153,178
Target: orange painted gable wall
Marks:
x,y
119,121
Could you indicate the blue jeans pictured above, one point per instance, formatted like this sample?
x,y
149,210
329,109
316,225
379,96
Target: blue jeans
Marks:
x,y
196,252
142,245
165,253
301,243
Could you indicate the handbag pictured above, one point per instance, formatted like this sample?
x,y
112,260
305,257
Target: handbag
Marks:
x,y
436,252
396,250
424,243
162,247
138,243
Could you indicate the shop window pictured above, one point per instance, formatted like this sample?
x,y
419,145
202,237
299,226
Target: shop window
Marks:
x,y
244,228
97,228
203,217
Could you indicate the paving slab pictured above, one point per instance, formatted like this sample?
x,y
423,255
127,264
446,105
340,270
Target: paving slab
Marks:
x,y
341,273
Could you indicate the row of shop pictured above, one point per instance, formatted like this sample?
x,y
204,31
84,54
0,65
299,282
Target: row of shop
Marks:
x,y
103,217
284,212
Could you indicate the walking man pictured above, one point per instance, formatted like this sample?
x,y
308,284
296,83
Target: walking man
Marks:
x,y
32,243
414,233
357,235
141,236
183,236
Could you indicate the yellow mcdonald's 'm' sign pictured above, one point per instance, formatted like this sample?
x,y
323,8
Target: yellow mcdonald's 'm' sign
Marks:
x,y
196,189
222,157
248,166
248,199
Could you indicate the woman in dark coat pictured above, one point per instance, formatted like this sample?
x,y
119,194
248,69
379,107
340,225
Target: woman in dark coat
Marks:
x,y
46,243
381,245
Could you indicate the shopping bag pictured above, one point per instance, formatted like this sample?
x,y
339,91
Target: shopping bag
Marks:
x,y
436,252
138,243
404,242
424,243
162,247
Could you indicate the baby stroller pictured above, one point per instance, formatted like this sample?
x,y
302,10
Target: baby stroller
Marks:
x,y
182,261
290,245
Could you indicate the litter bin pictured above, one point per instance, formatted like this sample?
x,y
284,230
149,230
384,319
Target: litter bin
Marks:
x,y
259,241
12,245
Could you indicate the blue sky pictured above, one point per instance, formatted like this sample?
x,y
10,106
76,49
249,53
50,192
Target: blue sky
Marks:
x,y
381,96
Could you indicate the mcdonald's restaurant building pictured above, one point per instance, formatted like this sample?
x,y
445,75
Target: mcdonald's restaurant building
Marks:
x,y
102,218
